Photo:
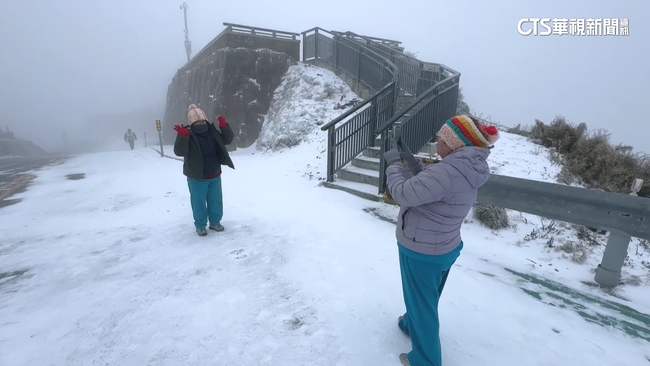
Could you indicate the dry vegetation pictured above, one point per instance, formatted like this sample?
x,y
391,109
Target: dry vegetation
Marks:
x,y
589,158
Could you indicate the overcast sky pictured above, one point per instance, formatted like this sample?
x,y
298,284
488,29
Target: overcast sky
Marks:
x,y
63,61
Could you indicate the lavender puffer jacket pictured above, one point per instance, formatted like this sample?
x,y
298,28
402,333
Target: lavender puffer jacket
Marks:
x,y
436,200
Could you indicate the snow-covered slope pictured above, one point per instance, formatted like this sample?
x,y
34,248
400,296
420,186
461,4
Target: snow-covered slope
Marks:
x,y
108,270
306,100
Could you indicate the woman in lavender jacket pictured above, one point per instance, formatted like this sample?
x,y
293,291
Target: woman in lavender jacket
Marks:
x,y
434,202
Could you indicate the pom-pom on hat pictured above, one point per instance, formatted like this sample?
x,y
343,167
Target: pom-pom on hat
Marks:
x,y
463,130
195,114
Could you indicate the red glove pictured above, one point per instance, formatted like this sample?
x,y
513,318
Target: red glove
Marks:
x,y
222,121
182,130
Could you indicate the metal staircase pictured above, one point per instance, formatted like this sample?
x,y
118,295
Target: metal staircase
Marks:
x,y
414,95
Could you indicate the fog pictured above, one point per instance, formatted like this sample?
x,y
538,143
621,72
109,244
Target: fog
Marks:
x,y
93,69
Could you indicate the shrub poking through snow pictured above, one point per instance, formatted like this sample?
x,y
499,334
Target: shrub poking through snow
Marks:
x,y
589,158
495,218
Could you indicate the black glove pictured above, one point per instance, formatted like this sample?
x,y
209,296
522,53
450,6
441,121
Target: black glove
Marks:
x,y
406,154
392,156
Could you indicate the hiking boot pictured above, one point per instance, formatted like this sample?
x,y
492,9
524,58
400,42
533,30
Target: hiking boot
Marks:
x,y
217,227
399,325
405,359
202,232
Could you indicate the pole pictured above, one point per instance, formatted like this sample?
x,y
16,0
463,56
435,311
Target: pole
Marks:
x,y
608,273
145,138
159,128
162,153
188,44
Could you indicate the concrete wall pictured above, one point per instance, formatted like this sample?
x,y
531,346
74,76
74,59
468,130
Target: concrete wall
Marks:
x,y
232,39
288,46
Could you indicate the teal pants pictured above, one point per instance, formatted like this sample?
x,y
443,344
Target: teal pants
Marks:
x,y
207,201
423,279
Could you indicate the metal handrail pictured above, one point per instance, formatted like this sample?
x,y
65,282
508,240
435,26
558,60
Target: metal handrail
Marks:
x,y
426,95
232,26
391,68
345,141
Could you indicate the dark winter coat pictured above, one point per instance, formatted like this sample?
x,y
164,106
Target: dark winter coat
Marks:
x,y
189,148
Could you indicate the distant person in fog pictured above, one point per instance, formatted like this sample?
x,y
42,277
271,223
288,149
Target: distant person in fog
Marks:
x,y
130,137
203,148
433,205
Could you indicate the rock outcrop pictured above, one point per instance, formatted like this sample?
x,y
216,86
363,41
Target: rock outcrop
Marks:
x,y
237,83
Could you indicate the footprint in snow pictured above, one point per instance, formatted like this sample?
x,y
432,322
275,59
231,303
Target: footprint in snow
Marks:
x,y
238,254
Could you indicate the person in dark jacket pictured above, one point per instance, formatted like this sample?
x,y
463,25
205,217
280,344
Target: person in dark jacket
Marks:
x,y
130,137
203,148
434,202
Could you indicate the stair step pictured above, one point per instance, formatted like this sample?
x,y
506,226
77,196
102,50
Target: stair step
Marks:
x,y
405,98
365,191
365,162
359,175
372,152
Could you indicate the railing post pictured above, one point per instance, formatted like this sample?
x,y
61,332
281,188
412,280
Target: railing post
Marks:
x,y
608,273
382,163
316,43
373,122
304,47
335,48
331,153
359,68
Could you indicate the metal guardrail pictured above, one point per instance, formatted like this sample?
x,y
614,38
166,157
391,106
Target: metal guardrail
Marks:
x,y
588,207
260,32
355,130
623,216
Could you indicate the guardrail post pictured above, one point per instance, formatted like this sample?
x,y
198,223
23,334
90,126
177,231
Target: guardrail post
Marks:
x,y
608,273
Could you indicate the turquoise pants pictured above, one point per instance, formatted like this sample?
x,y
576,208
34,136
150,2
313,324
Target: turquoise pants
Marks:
x,y
423,279
207,201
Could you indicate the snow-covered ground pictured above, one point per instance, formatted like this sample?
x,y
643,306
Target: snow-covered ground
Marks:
x,y
108,270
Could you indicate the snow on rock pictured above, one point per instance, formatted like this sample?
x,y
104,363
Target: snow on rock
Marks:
x,y
306,100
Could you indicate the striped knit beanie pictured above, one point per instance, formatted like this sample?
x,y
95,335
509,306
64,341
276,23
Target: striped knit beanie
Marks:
x,y
195,114
462,131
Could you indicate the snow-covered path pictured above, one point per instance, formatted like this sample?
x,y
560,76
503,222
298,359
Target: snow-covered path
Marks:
x,y
302,276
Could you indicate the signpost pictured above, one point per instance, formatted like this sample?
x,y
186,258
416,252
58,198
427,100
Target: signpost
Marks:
x,y
159,128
